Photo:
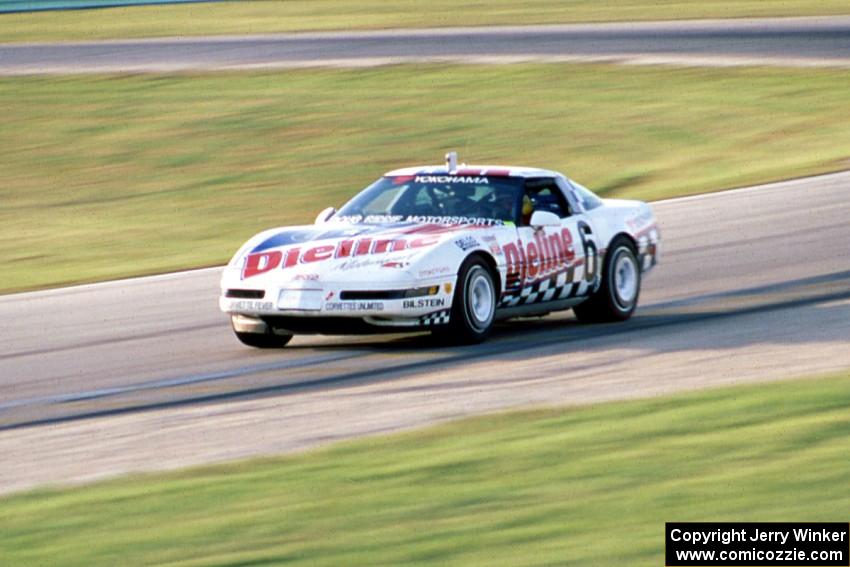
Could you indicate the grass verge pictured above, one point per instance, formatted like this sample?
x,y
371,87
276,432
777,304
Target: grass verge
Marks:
x,y
112,176
246,17
590,486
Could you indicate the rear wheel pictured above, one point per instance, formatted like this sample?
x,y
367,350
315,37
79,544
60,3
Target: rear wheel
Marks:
x,y
474,304
617,296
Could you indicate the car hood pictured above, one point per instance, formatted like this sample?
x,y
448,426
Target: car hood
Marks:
x,y
335,252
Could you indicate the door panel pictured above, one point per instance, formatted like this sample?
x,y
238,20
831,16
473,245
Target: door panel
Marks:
x,y
554,262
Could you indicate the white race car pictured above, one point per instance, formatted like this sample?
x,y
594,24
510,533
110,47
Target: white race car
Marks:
x,y
449,249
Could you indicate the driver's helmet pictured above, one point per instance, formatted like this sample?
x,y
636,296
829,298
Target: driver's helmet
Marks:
x,y
527,206
527,209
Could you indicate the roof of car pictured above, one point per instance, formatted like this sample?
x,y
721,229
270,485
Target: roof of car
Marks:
x,y
476,170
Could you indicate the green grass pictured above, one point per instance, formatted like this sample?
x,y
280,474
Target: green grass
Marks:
x,y
589,486
300,15
113,176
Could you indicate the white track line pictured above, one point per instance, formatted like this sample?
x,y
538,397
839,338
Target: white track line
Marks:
x,y
727,24
774,185
110,283
630,59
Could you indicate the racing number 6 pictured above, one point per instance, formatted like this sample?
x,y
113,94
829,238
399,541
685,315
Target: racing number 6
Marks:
x,y
591,264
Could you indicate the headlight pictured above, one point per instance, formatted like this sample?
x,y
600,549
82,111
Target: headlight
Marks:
x,y
420,291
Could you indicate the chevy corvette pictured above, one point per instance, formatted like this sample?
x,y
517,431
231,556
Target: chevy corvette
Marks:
x,y
448,249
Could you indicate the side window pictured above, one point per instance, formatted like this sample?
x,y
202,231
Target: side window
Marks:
x,y
588,199
545,195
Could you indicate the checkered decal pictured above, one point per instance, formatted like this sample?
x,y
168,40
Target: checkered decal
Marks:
x,y
557,286
435,318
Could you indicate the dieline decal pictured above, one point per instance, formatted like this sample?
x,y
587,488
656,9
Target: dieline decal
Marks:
x,y
258,263
542,255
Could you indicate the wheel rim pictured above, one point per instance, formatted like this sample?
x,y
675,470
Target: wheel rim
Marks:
x,y
480,299
625,274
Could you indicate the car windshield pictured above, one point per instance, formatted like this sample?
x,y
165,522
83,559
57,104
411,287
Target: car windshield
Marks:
x,y
437,198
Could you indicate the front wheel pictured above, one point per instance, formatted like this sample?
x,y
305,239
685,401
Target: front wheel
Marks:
x,y
474,304
617,296
263,337
263,341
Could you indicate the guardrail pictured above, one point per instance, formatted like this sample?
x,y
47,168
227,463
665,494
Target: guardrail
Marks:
x,y
12,6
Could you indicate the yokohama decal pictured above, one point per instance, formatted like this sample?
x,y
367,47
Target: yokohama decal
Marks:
x,y
451,179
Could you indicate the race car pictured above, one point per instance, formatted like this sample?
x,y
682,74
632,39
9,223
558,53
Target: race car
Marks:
x,y
449,249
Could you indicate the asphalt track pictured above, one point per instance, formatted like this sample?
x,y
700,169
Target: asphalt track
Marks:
x,y
144,374
786,41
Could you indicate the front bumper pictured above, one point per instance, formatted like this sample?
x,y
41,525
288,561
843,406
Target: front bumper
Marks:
x,y
381,306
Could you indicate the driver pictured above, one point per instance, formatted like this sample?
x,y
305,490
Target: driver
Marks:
x,y
459,202
504,205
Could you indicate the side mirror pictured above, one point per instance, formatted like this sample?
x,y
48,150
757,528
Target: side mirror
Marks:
x,y
325,215
539,219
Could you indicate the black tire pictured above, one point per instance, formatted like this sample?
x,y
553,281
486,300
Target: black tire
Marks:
x,y
474,304
617,296
260,340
